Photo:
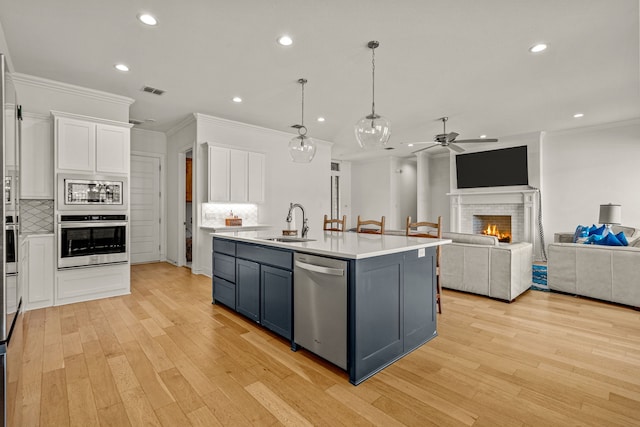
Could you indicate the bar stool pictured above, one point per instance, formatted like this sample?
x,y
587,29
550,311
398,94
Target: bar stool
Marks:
x,y
379,224
434,231
340,224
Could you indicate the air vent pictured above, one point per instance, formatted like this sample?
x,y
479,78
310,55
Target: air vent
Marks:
x,y
152,90
136,121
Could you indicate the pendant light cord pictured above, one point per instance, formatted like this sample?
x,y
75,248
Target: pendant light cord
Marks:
x,y
302,120
373,81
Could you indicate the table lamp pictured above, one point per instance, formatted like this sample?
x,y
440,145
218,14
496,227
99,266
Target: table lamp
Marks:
x,y
610,214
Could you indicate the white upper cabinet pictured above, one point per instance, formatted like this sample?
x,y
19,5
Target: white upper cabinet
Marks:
x,y
10,159
112,149
238,175
218,174
91,147
256,165
76,145
235,175
36,152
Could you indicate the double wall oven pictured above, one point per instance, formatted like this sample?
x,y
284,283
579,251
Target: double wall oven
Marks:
x,y
92,221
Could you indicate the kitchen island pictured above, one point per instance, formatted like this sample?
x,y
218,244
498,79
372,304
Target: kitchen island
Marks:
x,y
386,309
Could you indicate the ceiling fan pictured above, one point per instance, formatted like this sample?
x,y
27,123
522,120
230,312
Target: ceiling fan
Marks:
x,y
447,140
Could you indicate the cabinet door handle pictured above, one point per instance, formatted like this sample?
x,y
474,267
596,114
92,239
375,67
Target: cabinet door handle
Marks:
x,y
320,269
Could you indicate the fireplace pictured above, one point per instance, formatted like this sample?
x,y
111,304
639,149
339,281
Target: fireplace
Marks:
x,y
519,205
493,225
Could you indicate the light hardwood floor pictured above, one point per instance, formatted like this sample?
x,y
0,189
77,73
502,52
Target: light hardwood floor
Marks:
x,y
166,356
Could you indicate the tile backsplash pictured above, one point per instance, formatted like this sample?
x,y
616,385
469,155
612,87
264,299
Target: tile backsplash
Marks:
x,y
213,214
36,216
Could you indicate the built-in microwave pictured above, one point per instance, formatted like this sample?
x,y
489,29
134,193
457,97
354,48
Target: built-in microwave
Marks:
x,y
98,193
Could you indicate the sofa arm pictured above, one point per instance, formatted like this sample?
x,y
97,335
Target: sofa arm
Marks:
x,y
511,273
563,237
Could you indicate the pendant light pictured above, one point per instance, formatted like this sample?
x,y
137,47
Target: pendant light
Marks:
x,y
301,147
373,130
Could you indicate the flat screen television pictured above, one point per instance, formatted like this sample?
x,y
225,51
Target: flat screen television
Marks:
x,y
493,168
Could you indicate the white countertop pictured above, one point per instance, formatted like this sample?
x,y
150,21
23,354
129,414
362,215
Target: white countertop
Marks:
x,y
229,229
347,245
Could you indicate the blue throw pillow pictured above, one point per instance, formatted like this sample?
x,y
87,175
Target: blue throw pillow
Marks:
x,y
622,238
581,234
594,239
597,230
609,240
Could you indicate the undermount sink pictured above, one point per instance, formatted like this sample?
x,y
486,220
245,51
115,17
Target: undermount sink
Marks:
x,y
288,239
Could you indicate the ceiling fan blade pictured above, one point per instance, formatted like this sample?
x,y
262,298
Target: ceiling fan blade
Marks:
x,y
416,142
477,140
454,147
425,148
451,136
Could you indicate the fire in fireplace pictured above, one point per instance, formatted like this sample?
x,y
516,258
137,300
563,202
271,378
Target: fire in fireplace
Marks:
x,y
493,225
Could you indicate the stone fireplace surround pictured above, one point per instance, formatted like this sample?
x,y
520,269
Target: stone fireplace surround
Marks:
x,y
519,204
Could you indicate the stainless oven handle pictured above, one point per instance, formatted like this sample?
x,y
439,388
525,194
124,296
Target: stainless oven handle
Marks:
x,y
86,224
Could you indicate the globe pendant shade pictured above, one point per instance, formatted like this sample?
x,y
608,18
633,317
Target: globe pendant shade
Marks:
x,y
373,132
302,149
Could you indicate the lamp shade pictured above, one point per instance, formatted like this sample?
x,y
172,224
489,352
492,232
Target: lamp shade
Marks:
x,y
610,214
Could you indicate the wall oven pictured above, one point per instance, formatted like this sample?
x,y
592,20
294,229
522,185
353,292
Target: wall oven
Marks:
x,y
90,240
80,193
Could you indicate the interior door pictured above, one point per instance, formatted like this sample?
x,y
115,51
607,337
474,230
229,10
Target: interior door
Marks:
x,y
145,209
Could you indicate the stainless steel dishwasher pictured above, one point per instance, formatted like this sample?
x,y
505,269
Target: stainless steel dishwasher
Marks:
x,y
320,306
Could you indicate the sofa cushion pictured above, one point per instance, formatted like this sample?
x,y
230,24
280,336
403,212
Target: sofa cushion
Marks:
x,y
622,238
473,239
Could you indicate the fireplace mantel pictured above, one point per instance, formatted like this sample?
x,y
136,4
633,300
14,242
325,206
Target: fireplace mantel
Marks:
x,y
521,204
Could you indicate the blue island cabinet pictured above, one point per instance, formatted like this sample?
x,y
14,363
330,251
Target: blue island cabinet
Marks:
x,y
392,309
262,286
391,299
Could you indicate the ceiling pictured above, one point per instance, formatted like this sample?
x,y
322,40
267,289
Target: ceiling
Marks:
x,y
465,59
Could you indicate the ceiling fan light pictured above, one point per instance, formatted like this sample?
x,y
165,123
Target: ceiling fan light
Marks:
x,y
302,149
373,132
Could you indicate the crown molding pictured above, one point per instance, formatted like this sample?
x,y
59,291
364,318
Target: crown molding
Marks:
x,y
181,125
57,114
38,116
67,88
244,126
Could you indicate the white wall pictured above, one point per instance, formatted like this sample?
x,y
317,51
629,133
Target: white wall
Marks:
x,y
583,168
148,141
439,187
286,181
180,138
404,175
371,189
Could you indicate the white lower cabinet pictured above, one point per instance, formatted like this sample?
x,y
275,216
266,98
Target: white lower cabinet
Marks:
x,y
37,270
84,284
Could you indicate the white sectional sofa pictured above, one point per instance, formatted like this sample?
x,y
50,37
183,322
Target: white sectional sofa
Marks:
x,y
481,265
610,273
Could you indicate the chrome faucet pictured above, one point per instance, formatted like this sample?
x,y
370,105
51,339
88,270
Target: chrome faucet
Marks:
x,y
305,225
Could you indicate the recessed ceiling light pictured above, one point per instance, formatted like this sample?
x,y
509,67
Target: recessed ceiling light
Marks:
x,y
321,119
537,48
121,67
409,145
285,40
147,19
237,99
483,136
578,115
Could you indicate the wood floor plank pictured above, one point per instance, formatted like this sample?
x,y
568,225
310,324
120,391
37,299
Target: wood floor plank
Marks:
x,y
165,355
113,416
55,410
102,381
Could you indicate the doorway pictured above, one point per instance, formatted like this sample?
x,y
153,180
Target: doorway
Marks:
x,y
188,209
